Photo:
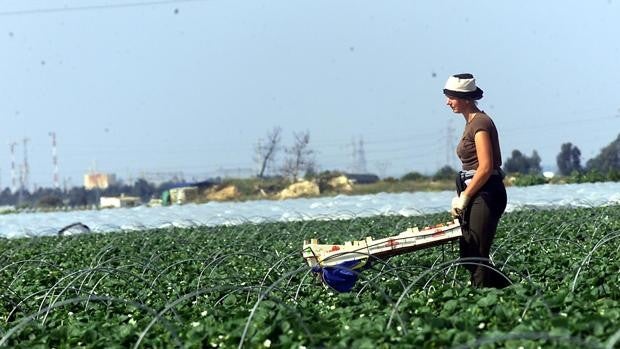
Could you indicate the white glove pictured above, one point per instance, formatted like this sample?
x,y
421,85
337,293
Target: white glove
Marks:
x,y
458,204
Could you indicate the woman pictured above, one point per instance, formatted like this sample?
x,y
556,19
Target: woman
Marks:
x,y
481,193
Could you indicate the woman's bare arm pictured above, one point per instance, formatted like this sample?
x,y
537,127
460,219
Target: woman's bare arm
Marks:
x,y
484,151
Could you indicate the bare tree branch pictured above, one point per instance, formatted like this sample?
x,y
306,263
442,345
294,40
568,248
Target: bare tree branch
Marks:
x,y
266,150
300,158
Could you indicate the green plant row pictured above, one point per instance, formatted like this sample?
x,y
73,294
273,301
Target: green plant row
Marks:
x,y
248,286
592,176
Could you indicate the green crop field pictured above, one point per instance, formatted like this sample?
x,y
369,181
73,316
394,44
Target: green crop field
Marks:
x,y
247,286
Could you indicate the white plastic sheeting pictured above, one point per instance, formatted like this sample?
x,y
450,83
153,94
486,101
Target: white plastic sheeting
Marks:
x,y
338,207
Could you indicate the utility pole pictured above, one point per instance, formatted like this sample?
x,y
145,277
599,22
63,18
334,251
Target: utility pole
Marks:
x,y
26,174
13,173
23,174
55,178
361,157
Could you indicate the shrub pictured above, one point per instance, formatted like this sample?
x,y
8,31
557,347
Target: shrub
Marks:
x,y
529,179
412,176
445,172
49,201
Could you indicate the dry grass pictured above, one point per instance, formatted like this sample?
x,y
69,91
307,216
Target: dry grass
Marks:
x,y
402,186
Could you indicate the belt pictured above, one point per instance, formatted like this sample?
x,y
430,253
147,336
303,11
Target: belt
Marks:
x,y
470,173
466,176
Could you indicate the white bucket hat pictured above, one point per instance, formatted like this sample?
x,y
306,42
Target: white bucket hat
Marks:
x,y
462,86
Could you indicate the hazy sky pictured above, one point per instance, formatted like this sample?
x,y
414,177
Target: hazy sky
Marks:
x,y
134,86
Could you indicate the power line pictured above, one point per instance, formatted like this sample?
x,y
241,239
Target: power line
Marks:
x,y
93,7
555,124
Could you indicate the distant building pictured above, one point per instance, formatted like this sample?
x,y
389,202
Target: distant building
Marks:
x,y
183,195
98,180
362,178
120,201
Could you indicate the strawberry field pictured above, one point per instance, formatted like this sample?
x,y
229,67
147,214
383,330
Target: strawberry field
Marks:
x,y
247,286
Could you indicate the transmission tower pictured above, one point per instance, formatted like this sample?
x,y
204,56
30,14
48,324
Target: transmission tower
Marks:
x,y
359,156
353,156
55,160
13,173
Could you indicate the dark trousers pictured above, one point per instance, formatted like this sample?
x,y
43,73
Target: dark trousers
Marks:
x,y
479,224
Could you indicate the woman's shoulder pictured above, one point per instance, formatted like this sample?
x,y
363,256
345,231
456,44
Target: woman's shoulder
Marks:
x,y
482,115
482,121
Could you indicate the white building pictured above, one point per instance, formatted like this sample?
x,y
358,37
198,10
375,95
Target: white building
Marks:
x,y
118,201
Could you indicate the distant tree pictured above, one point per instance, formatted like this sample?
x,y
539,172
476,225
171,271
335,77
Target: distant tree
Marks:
x,y
117,189
569,159
266,150
520,163
516,162
412,176
49,201
608,159
300,158
7,197
311,172
143,189
48,193
535,160
79,196
446,172
24,198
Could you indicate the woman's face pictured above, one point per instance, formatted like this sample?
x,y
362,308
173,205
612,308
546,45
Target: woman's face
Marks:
x,y
458,105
